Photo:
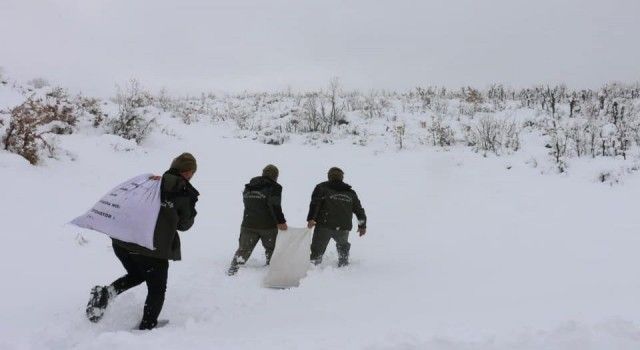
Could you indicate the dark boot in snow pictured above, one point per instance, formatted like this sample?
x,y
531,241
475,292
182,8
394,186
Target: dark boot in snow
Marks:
x,y
268,256
236,262
233,269
343,247
147,325
98,303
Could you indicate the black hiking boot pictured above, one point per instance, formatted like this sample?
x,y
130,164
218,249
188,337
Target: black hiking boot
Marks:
x,y
98,303
268,259
233,269
147,325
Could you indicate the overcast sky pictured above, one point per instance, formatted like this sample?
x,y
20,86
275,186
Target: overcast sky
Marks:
x,y
190,46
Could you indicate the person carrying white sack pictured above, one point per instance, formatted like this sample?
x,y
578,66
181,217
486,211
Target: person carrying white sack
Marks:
x,y
177,213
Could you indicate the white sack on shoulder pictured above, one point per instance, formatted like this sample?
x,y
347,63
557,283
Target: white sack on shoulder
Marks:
x,y
128,212
290,260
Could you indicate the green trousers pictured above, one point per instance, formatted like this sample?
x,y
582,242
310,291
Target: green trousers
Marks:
x,y
321,238
249,238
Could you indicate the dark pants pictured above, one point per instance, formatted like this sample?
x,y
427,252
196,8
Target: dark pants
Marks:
x,y
249,238
321,237
140,269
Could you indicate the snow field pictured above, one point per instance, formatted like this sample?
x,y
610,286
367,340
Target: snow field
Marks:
x,y
461,253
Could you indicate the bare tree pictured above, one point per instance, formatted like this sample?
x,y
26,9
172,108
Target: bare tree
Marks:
x,y
335,113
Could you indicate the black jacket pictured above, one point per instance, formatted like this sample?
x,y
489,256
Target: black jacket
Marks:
x,y
333,204
262,204
177,213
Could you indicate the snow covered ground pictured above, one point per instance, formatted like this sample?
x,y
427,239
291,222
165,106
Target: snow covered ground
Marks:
x,y
461,253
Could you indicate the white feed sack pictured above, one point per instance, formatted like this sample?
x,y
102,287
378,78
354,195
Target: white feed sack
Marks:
x,y
290,260
128,212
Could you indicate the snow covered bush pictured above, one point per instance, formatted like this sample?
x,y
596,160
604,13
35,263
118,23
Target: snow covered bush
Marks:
x,y
187,112
315,115
570,123
90,107
440,134
132,123
133,95
163,100
272,137
33,125
399,131
375,105
490,134
558,147
439,106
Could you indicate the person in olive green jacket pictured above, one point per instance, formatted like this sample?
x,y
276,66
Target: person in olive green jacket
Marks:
x,y
177,213
262,217
331,210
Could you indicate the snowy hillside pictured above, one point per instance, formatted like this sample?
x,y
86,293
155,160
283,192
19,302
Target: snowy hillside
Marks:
x,y
473,242
593,133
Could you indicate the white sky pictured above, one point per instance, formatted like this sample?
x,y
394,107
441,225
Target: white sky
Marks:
x,y
190,46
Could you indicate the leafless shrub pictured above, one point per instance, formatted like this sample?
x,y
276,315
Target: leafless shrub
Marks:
x,y
163,100
131,122
336,110
375,105
489,134
91,107
439,106
440,134
187,112
133,96
399,131
315,115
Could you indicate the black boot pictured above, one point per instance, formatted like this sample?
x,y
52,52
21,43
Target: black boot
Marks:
x,y
343,254
268,256
147,325
236,262
233,269
98,303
